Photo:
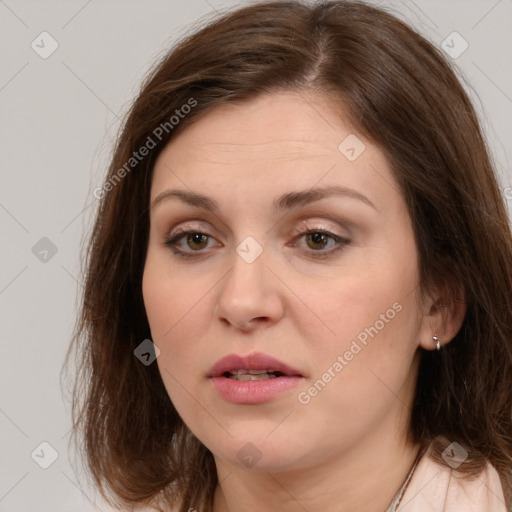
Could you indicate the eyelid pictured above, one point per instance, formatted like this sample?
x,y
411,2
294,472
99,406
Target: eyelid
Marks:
x,y
179,232
303,228
306,224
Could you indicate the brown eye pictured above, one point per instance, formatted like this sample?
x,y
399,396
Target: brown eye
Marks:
x,y
194,243
318,239
195,239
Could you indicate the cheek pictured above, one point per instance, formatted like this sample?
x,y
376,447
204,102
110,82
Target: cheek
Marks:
x,y
177,315
373,320
377,302
170,297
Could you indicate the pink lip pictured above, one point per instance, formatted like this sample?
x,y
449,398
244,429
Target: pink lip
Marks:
x,y
255,361
256,391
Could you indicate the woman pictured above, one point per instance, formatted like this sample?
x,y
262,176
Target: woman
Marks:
x,y
298,288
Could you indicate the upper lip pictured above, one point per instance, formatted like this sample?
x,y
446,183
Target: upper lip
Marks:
x,y
255,361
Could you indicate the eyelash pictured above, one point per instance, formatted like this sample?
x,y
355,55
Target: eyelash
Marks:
x,y
172,242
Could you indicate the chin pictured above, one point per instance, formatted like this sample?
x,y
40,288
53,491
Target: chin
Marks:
x,y
259,450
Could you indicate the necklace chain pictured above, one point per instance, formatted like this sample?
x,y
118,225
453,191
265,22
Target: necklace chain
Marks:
x,y
399,495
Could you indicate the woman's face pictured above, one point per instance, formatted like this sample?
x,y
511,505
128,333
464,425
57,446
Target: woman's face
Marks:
x,y
340,310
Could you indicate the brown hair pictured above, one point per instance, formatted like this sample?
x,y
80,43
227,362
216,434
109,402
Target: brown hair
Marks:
x,y
400,93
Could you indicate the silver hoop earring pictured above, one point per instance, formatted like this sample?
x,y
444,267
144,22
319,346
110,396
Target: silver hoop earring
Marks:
x,y
437,342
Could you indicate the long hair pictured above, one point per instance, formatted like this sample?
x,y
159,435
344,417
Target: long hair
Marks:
x,y
399,92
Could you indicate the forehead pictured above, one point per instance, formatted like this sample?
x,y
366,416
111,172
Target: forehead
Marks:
x,y
280,141
267,127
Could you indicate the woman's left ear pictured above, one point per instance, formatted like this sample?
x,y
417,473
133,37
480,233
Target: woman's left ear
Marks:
x,y
442,318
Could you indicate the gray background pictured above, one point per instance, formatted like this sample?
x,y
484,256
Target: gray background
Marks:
x,y
59,116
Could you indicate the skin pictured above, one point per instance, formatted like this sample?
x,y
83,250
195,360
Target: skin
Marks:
x,y
346,448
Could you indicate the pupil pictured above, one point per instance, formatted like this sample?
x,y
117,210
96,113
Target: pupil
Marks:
x,y
317,238
196,238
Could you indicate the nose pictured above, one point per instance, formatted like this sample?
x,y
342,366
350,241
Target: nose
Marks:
x,y
249,295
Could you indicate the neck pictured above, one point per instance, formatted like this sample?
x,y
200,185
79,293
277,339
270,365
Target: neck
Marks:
x,y
366,477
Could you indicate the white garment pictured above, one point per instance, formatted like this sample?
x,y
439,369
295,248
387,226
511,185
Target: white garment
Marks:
x,y
440,488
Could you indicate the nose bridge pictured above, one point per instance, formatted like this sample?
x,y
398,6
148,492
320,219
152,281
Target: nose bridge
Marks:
x,y
249,290
247,276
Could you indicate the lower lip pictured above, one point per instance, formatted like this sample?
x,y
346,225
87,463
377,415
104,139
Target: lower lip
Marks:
x,y
253,391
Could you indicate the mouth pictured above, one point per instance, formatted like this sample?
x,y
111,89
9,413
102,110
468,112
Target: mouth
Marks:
x,y
254,366
253,379
252,374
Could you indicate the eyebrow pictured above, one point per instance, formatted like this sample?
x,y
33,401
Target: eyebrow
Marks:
x,y
287,201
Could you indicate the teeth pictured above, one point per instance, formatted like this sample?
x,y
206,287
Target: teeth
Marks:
x,y
250,375
250,372
261,376
258,372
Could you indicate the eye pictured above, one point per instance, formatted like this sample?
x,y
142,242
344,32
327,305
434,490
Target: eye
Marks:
x,y
317,239
195,240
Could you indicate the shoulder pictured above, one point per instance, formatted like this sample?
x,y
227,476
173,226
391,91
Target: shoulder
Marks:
x,y
440,488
